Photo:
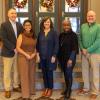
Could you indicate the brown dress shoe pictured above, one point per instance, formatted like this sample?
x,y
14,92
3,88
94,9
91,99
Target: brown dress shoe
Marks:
x,y
44,92
17,89
49,93
7,94
93,96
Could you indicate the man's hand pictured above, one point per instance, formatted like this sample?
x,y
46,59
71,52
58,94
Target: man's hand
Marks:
x,y
84,51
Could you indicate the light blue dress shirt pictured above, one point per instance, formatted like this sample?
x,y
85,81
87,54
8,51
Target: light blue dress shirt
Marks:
x,y
14,27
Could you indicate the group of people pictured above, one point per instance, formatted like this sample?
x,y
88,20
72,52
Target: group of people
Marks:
x,y
22,49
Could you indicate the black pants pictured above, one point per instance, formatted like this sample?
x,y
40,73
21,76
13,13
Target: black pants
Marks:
x,y
68,71
68,80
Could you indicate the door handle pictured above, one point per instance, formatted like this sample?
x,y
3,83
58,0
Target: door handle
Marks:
x,y
63,14
36,14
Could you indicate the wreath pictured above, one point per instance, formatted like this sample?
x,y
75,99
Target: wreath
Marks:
x,y
72,3
20,3
48,4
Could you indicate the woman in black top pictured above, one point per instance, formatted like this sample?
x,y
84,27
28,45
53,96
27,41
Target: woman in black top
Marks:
x,y
68,48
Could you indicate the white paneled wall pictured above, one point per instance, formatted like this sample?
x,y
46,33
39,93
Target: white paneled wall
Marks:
x,y
95,5
2,11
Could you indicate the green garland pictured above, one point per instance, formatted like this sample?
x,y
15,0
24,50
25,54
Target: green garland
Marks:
x,y
21,4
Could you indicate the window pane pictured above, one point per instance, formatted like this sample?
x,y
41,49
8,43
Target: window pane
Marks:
x,y
40,19
25,9
21,19
46,6
71,7
75,23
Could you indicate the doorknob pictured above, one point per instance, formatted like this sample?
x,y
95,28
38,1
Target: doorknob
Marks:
x,y
63,14
36,14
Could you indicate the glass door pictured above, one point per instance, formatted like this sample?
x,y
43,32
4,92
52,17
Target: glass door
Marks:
x,y
24,11
72,10
46,8
58,10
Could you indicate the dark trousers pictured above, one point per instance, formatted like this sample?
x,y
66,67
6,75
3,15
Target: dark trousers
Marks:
x,y
68,80
48,78
47,75
68,70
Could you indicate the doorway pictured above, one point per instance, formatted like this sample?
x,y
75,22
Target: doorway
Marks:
x,y
58,10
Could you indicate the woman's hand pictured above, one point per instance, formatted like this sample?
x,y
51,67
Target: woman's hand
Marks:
x,y
53,59
33,55
37,58
28,56
84,52
69,63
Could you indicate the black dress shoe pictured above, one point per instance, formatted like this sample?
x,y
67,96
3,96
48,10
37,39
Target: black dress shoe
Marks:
x,y
17,89
68,94
68,98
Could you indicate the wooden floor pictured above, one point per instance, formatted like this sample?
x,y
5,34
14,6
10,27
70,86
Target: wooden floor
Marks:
x,y
56,95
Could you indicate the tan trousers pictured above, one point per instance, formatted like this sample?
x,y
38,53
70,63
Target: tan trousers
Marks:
x,y
91,72
86,71
10,63
27,75
95,65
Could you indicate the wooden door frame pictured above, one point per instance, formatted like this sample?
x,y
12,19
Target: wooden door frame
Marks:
x,y
85,10
84,13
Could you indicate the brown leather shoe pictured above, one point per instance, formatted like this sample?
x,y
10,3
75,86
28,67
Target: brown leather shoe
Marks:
x,y
44,92
49,93
17,89
72,99
7,94
93,96
82,92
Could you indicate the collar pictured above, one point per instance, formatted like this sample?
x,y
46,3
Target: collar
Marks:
x,y
12,22
91,24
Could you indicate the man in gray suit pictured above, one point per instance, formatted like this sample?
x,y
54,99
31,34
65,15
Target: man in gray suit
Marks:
x,y
9,32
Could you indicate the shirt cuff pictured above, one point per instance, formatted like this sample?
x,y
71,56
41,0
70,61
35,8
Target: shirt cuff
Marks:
x,y
72,56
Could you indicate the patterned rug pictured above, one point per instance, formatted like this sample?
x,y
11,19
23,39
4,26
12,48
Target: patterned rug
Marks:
x,y
43,98
63,98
